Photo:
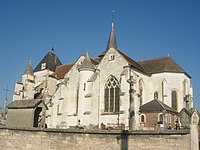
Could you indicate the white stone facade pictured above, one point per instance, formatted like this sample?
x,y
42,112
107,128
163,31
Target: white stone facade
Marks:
x,y
80,99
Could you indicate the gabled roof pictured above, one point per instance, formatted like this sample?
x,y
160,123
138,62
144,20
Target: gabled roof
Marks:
x,y
24,104
62,70
133,63
162,64
51,60
156,106
129,60
189,111
29,69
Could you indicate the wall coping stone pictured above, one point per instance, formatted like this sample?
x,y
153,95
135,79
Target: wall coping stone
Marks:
x,y
112,132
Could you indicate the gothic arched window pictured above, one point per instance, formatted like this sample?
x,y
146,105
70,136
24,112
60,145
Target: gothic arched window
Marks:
x,y
160,118
174,99
156,95
185,87
164,90
111,95
141,91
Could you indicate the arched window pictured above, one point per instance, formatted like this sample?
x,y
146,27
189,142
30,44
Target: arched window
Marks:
x,y
111,95
164,90
77,96
169,118
174,100
142,119
156,95
184,87
160,118
141,91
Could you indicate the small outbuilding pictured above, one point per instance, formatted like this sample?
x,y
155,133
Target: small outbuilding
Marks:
x,y
26,113
155,114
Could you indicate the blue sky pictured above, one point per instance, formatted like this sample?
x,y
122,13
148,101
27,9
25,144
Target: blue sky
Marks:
x,y
144,29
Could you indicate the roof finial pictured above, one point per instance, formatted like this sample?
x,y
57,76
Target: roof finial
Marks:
x,y
113,11
112,39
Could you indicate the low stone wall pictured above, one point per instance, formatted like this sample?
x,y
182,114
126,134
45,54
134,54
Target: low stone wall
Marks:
x,y
58,139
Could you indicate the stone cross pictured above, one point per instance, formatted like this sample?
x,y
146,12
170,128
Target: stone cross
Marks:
x,y
131,82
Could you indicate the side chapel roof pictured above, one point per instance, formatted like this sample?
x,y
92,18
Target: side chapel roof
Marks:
x,y
62,70
24,104
156,106
51,60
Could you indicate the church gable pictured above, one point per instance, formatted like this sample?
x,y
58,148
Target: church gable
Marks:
x,y
112,60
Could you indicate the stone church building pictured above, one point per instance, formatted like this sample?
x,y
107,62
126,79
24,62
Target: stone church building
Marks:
x,y
111,90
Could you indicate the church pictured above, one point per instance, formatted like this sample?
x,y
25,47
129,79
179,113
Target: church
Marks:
x,y
109,91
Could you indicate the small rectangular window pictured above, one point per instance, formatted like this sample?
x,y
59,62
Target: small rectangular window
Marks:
x,y
43,66
111,57
58,110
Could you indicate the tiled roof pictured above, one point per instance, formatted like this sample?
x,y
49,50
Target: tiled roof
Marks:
x,y
95,60
162,64
62,70
133,63
156,106
24,104
51,60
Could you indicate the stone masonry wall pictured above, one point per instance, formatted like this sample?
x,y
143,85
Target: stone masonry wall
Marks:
x,y
54,139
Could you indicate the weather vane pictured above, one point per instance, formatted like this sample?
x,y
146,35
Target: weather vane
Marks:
x,y
113,11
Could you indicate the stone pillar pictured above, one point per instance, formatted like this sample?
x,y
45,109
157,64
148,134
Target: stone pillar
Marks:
x,y
194,131
131,81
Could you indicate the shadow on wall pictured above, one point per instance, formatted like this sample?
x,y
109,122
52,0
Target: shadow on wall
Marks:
x,y
124,139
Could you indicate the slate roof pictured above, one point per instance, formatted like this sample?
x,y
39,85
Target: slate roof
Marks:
x,y
29,69
112,42
162,64
156,106
51,60
62,70
87,63
24,104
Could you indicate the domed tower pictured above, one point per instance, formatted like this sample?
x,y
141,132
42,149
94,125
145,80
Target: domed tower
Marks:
x,y
86,70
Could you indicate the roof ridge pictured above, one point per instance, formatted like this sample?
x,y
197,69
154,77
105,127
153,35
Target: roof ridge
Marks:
x,y
156,58
161,103
65,64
